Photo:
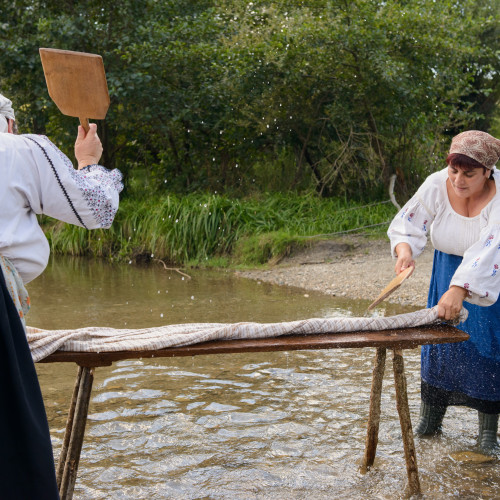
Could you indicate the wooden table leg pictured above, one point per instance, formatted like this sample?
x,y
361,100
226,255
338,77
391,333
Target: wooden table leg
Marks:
x,y
374,414
75,429
69,425
405,421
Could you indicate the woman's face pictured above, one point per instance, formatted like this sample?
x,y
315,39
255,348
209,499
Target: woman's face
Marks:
x,y
467,183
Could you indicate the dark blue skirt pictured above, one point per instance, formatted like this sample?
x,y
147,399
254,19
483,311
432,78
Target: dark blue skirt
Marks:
x,y
466,373
26,461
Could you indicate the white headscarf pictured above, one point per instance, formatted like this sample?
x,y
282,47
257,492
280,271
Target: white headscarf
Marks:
x,y
6,112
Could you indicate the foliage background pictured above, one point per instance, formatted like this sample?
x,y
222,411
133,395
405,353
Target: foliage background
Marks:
x,y
239,97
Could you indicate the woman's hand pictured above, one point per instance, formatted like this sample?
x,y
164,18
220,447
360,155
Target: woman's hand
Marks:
x,y
88,147
405,257
450,304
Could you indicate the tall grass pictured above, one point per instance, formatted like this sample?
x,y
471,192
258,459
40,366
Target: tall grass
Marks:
x,y
199,227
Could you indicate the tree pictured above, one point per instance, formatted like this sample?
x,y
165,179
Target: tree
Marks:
x,y
243,96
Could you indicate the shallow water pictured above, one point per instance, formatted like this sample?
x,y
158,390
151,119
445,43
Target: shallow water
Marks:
x,y
236,426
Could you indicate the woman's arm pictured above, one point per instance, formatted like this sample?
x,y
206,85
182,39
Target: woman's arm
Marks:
x,y
404,256
411,225
88,147
479,273
87,197
450,304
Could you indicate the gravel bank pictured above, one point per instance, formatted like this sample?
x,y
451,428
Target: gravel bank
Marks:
x,y
356,268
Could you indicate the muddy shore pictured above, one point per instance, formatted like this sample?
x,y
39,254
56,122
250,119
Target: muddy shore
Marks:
x,y
355,267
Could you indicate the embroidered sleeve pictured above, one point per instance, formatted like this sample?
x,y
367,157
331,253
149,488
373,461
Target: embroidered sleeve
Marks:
x,y
411,225
88,197
479,272
101,188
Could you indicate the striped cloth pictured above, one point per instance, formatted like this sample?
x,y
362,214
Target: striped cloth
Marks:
x,y
103,339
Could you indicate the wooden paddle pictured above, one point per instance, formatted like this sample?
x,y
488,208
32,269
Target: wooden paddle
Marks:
x,y
76,82
393,285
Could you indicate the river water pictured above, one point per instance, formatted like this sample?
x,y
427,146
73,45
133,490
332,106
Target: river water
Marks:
x,y
236,426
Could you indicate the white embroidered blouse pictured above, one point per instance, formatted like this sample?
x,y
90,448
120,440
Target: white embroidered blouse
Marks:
x,y
477,238
37,178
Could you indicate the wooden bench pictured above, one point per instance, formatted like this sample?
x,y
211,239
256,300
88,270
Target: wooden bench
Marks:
x,y
396,340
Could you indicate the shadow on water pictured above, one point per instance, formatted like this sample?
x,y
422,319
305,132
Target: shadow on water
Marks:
x,y
255,425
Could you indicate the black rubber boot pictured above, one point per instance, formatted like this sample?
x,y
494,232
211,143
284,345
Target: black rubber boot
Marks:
x,y
431,419
488,428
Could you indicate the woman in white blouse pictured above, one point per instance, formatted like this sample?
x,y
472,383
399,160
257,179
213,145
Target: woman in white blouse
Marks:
x,y
36,178
460,207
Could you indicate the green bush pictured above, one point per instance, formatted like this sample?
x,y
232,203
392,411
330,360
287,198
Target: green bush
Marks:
x,y
198,228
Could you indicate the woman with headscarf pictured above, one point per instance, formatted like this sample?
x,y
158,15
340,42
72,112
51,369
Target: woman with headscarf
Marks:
x,y
36,178
460,207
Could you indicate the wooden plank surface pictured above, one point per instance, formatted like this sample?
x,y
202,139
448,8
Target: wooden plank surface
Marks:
x,y
405,338
76,82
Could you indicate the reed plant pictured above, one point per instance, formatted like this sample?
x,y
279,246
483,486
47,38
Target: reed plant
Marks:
x,y
200,228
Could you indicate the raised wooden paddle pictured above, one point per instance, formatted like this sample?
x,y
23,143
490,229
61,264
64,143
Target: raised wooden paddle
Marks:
x,y
76,82
393,285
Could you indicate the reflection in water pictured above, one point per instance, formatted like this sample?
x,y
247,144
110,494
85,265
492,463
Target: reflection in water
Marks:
x,y
256,425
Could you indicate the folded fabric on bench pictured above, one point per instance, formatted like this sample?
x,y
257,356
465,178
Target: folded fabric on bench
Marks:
x,y
104,339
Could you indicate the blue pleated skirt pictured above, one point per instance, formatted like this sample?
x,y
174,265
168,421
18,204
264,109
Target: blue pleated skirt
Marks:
x,y
467,372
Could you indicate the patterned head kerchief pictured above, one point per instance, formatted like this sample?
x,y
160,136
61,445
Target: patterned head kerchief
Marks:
x,y
477,145
6,112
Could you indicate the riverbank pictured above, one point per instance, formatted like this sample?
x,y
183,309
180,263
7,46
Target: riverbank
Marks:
x,y
356,267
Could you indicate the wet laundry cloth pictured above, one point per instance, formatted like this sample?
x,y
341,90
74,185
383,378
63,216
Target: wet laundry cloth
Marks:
x,y
26,460
102,339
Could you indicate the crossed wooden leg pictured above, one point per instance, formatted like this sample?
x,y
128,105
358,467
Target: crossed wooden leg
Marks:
x,y
404,416
69,458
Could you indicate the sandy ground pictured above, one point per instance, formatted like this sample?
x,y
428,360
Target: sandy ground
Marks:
x,y
355,267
